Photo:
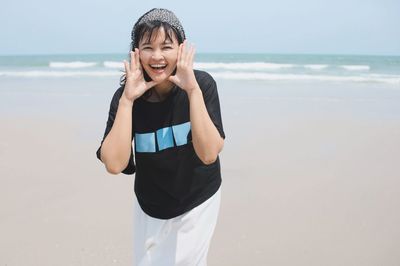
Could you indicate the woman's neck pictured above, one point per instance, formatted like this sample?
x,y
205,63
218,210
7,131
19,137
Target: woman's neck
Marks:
x,y
163,89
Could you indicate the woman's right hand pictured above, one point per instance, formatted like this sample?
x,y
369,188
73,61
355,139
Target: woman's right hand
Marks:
x,y
135,84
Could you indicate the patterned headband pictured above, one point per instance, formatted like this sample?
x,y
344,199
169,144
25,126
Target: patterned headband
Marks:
x,y
159,14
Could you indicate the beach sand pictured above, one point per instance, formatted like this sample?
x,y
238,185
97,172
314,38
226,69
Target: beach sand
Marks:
x,y
310,175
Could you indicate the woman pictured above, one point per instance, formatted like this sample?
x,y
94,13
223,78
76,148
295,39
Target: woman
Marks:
x,y
172,113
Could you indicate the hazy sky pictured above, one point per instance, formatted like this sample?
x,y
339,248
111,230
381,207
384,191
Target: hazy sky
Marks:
x,y
285,26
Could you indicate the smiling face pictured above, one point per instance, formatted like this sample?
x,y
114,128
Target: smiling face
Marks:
x,y
158,55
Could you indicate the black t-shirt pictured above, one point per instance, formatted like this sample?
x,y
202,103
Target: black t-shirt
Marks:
x,y
170,177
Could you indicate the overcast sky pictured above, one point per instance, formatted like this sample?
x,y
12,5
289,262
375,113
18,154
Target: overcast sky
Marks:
x,y
285,26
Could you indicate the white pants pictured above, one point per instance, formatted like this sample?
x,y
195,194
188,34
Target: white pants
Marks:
x,y
183,240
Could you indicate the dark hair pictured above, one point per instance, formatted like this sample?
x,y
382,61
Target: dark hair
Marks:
x,y
149,28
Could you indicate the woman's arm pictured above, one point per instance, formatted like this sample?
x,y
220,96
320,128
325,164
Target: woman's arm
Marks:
x,y
116,149
206,139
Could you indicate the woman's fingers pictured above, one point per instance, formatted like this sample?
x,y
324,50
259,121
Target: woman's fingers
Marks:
x,y
179,52
127,70
137,59
184,52
191,55
133,62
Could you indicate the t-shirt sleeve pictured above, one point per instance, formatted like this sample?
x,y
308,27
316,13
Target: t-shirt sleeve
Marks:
x,y
211,100
131,168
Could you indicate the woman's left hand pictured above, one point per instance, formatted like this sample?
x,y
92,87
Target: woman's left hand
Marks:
x,y
184,76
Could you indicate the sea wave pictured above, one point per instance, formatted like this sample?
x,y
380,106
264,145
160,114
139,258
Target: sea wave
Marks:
x,y
356,67
234,66
229,75
315,66
243,66
113,64
74,64
392,79
59,74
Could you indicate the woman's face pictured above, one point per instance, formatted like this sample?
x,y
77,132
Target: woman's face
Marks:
x,y
159,57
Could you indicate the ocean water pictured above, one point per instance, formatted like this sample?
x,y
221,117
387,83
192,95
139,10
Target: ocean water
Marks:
x,y
267,67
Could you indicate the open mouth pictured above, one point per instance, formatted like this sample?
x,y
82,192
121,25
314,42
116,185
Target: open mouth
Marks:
x,y
158,66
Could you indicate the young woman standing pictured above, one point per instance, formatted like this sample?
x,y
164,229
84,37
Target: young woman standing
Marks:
x,y
171,113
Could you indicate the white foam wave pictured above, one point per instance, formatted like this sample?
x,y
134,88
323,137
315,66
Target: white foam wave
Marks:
x,y
230,75
243,66
356,67
394,79
316,66
59,74
113,64
75,64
